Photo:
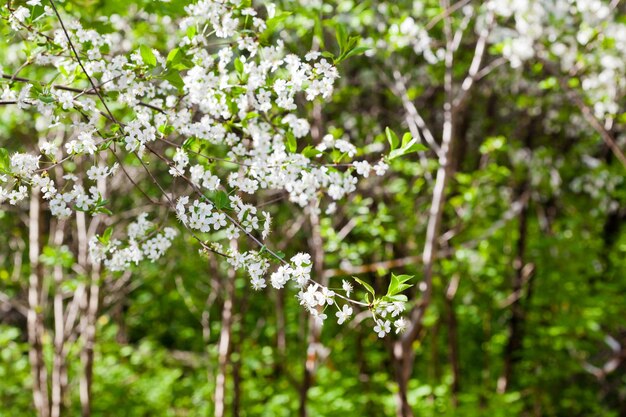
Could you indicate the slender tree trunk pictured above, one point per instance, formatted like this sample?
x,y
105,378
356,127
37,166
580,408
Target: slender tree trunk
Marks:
x,y
35,313
224,345
402,366
403,354
91,305
453,343
281,337
237,386
313,345
434,372
87,353
58,365
237,349
521,276
454,106
514,342
205,319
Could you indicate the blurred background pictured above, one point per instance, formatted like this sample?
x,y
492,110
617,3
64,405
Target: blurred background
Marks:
x,y
525,295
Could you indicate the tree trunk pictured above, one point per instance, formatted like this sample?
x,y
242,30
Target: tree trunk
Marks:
x,y
35,310
403,364
514,342
313,340
223,350
453,344
58,365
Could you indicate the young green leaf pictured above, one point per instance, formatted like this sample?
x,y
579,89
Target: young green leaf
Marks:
x,y
5,161
238,66
392,138
406,138
174,56
221,201
356,51
292,145
409,145
395,298
398,284
106,236
175,79
367,286
271,26
342,38
311,152
147,55
191,31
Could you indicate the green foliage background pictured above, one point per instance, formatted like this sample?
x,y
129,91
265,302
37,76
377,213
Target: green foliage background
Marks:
x,y
152,358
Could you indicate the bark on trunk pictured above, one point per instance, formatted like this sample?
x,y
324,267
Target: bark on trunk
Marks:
x,y
35,313
87,352
58,365
453,344
224,346
313,340
514,342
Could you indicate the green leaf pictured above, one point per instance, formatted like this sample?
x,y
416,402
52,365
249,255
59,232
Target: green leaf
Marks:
x,y
396,298
292,145
174,56
5,160
221,201
406,138
251,115
188,142
175,79
166,129
103,210
415,146
367,286
401,287
238,66
272,25
548,83
46,98
396,154
60,256
403,278
398,284
342,38
191,32
318,33
392,138
338,156
147,55
311,152
106,236
273,22
409,145
356,51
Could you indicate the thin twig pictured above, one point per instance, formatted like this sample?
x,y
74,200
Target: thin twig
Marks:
x,y
69,40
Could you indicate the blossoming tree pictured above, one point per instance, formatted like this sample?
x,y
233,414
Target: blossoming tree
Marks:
x,y
200,124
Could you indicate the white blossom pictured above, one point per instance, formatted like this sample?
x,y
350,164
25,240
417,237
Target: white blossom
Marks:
x,y
382,327
344,314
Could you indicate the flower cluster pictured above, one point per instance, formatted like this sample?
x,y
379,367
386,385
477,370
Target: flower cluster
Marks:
x,y
385,314
143,243
222,116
